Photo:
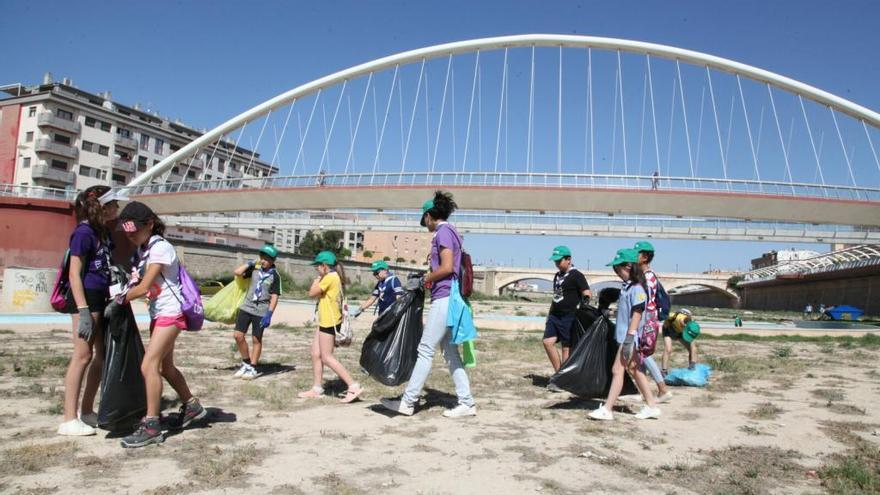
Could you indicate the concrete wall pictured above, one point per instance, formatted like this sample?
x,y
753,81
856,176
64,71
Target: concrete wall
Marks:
x,y
9,116
34,233
706,298
861,290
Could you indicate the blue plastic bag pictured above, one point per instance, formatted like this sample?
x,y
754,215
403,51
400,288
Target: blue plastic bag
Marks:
x,y
683,377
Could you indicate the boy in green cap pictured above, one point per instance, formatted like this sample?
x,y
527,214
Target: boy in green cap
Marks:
x,y
257,308
652,315
570,289
386,291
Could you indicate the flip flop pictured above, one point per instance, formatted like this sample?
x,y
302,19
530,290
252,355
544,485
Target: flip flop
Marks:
x,y
352,395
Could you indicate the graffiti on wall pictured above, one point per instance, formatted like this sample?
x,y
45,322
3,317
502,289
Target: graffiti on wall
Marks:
x,y
30,287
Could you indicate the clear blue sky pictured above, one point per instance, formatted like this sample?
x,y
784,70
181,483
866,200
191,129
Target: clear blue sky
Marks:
x,y
207,61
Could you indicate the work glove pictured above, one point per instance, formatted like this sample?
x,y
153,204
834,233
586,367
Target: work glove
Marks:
x,y
628,347
84,329
251,264
267,319
355,312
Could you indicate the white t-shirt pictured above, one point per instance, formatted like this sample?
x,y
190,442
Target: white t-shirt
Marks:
x,y
165,294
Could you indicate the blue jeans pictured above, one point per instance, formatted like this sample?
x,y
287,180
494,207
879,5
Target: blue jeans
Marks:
x,y
437,333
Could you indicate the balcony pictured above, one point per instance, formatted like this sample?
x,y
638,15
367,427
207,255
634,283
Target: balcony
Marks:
x,y
233,174
45,145
195,163
122,164
125,142
44,171
49,119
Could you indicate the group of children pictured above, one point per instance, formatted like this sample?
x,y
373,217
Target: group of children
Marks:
x,y
638,325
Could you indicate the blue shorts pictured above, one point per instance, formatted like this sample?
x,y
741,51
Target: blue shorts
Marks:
x,y
559,327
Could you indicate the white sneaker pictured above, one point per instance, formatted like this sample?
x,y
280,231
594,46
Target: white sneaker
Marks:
x,y
250,373
398,406
601,414
664,398
90,419
241,371
75,428
460,411
648,412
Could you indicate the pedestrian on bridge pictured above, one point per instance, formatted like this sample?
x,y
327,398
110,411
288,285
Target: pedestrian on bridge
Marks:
x,y
570,290
446,252
89,280
257,308
630,311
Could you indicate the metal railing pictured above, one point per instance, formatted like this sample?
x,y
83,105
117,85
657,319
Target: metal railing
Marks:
x,y
524,180
39,192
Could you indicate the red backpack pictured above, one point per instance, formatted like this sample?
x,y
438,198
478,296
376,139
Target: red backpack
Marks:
x,y
465,268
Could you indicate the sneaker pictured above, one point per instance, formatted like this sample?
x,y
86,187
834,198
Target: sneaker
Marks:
x,y
648,412
148,432
460,411
552,387
241,371
664,398
90,419
189,412
601,414
398,406
75,428
250,373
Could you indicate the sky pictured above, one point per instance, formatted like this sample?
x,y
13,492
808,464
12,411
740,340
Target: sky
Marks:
x,y
205,62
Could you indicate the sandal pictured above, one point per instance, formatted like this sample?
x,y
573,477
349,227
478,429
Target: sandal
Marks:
x,y
312,393
352,394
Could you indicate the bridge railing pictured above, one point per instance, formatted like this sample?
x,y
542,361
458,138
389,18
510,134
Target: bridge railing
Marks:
x,y
37,192
512,179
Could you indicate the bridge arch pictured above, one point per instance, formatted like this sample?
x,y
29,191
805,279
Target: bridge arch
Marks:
x,y
832,101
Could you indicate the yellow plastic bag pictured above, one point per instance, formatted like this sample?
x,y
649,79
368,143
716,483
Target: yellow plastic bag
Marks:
x,y
223,306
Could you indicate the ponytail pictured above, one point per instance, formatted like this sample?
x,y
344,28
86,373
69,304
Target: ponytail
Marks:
x,y
341,272
88,209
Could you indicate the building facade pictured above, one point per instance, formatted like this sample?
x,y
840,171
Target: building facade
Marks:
x,y
410,248
57,136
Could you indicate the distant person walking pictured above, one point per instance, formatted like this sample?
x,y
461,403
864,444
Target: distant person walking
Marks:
x,y
570,289
655,180
808,312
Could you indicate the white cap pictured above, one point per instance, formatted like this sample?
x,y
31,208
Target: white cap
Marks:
x,y
112,195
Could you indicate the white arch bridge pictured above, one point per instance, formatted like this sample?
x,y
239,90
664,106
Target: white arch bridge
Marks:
x,y
568,125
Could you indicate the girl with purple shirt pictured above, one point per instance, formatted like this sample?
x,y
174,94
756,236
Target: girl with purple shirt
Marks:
x,y
89,288
445,261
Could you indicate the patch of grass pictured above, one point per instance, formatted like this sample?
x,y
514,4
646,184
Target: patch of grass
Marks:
x,y
738,469
751,430
220,466
6,331
828,394
29,459
854,471
335,484
39,366
765,410
782,352
869,340
839,408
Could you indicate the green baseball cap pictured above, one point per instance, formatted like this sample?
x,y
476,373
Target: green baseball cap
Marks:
x,y
378,265
644,246
560,252
624,256
325,257
427,205
690,332
269,250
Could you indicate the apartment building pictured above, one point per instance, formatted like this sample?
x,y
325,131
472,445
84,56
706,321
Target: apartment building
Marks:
x,y
400,247
57,136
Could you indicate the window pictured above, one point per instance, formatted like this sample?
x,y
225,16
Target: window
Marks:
x,y
29,136
119,179
86,171
142,162
64,114
173,148
91,122
105,126
191,174
145,142
60,138
25,163
32,111
103,175
175,170
159,146
126,133
87,146
103,150
155,162
59,165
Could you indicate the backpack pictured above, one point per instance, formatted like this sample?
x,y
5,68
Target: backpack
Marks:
x,y
465,269
664,303
648,338
61,290
191,305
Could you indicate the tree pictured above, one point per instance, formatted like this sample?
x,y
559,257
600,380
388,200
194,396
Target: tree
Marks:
x,y
313,243
733,282
399,259
387,258
368,254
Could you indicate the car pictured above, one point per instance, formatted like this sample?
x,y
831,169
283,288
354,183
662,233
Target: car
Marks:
x,y
210,288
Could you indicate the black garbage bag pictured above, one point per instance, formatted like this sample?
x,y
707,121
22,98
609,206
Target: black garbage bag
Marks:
x,y
390,350
587,371
123,392
585,316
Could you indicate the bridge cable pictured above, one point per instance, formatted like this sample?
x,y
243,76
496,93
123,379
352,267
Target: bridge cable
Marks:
x,y
442,111
729,127
283,130
479,121
427,126
749,131
384,121
653,112
235,148
256,146
400,112
375,116
622,118
642,124
781,142
586,118
592,128
412,119
529,136
305,136
700,131
332,127
843,148
350,128
188,165
500,114
467,136
559,122
687,132
671,124
717,126
760,131
813,144
454,150
357,126
871,144
507,125
614,120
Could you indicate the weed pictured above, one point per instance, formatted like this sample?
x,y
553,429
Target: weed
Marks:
x,y
34,458
337,485
828,394
765,410
6,331
782,352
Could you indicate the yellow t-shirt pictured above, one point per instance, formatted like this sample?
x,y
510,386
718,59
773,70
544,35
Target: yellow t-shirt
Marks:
x,y
677,321
330,304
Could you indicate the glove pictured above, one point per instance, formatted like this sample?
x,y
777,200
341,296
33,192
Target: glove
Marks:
x,y
251,264
355,312
84,329
267,319
628,347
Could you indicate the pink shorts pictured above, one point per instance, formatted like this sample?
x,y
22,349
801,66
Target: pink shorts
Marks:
x,y
178,321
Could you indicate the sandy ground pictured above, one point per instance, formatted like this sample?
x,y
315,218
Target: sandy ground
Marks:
x,y
773,414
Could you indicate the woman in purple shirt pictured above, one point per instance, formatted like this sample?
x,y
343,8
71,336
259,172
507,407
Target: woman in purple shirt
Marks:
x,y
89,289
446,250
